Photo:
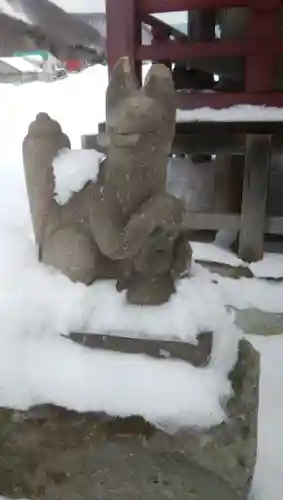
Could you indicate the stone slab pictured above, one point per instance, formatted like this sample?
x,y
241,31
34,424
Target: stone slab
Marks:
x,y
254,321
197,355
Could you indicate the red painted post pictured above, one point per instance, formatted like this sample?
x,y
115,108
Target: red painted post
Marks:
x,y
160,35
123,33
260,65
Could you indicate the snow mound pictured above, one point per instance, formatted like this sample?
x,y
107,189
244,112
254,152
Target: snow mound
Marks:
x,y
271,266
38,366
72,170
165,392
209,252
254,293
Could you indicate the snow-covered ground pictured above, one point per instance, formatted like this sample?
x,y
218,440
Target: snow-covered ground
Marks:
x,y
271,266
37,304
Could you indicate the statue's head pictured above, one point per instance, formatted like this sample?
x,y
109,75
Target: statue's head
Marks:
x,y
137,114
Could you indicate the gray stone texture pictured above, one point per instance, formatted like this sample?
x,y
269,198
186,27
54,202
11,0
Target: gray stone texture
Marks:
x,y
257,322
125,225
229,450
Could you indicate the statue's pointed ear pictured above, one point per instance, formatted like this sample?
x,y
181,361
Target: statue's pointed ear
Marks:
x,y
159,85
123,83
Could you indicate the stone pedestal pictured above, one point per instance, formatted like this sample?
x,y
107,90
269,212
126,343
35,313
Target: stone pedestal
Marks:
x,y
50,452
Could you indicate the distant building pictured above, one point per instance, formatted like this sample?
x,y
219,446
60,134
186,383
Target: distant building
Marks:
x,y
51,67
17,70
29,25
74,65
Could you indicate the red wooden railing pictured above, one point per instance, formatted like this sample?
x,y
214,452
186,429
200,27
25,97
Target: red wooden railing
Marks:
x,y
160,6
260,47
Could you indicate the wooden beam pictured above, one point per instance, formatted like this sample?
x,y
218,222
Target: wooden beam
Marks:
x,y
223,128
91,142
178,50
274,225
102,127
203,221
159,6
208,144
197,143
219,100
211,221
260,67
256,178
205,143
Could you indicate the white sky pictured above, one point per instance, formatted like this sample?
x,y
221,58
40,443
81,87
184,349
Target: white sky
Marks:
x,y
99,6
81,5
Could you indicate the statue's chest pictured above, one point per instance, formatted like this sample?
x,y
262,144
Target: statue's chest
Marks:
x,y
132,185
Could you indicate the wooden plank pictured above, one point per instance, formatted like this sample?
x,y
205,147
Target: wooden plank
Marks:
x,y
159,6
197,221
208,144
198,143
256,177
102,127
228,183
211,221
224,129
192,144
220,100
274,225
91,142
123,33
216,143
197,355
177,50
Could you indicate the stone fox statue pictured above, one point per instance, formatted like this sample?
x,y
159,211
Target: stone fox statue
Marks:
x,y
124,225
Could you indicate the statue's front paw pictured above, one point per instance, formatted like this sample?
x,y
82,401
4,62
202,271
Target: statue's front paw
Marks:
x,y
148,291
182,256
